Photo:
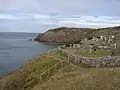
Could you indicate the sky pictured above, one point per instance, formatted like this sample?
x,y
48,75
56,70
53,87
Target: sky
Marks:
x,y
41,15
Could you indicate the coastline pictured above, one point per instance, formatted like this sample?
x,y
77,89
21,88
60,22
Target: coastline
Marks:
x,y
37,71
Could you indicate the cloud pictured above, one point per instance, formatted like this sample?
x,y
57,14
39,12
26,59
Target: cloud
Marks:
x,y
19,5
90,21
59,21
23,16
63,7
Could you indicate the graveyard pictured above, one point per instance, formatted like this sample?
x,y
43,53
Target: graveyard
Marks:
x,y
94,46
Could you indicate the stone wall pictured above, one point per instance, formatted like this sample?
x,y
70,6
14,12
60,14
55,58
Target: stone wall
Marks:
x,y
106,61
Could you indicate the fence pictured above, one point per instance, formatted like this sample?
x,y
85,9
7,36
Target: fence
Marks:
x,y
47,73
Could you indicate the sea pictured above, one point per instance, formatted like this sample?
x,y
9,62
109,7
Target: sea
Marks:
x,y
17,48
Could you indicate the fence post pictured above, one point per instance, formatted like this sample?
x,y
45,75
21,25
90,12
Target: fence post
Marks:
x,y
75,60
69,58
40,77
49,72
55,67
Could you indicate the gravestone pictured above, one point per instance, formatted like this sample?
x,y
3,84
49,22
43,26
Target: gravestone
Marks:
x,y
113,36
115,45
101,37
105,38
109,40
74,45
70,45
85,39
90,50
78,45
93,37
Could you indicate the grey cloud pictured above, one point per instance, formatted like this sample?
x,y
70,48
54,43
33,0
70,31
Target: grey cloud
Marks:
x,y
65,7
19,5
82,7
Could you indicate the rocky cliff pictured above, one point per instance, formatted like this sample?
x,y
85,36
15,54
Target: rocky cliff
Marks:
x,y
74,35
63,35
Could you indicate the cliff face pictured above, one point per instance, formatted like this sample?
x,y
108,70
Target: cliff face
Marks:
x,y
73,35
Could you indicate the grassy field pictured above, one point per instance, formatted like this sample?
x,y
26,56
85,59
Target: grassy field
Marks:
x,y
94,54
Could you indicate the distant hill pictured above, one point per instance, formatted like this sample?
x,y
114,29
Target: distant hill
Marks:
x,y
72,35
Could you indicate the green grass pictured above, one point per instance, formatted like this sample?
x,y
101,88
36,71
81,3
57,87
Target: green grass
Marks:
x,y
98,53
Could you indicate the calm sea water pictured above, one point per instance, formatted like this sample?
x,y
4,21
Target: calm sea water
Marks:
x,y
15,49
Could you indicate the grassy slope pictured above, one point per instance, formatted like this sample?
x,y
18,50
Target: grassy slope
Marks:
x,y
69,77
74,78
29,75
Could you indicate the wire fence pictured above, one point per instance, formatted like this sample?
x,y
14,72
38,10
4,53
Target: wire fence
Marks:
x,y
49,72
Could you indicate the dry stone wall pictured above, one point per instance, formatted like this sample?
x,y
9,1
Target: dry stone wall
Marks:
x,y
106,61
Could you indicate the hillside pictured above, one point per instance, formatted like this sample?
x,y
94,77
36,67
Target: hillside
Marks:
x,y
63,35
73,35
67,77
